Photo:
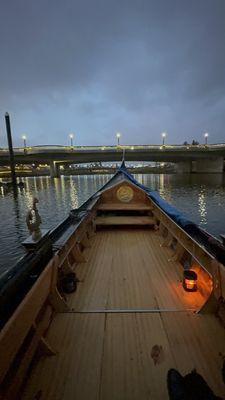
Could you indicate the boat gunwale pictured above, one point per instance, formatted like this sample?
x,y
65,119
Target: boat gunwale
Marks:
x,y
186,233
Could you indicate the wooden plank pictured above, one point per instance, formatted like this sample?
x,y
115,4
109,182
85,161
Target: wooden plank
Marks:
x,y
123,220
128,269
197,342
109,355
103,358
75,371
124,206
84,240
111,358
58,302
77,254
113,276
14,332
203,257
130,284
93,289
110,195
166,275
16,383
128,370
55,298
79,229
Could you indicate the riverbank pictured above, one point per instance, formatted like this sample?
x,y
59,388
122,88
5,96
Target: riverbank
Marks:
x,y
88,171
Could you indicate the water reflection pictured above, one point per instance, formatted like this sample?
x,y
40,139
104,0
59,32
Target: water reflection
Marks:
x,y
202,206
73,194
35,184
192,194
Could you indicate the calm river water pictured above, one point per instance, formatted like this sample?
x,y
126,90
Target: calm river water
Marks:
x,y
201,197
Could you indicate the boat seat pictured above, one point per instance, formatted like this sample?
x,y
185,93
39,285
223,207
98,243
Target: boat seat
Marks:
x,y
124,220
124,207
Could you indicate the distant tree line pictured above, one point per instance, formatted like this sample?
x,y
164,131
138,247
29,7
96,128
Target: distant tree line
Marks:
x,y
194,143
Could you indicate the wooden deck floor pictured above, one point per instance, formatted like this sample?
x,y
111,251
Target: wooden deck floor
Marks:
x,y
129,270
108,355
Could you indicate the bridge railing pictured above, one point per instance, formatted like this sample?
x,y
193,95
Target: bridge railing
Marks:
x,y
68,149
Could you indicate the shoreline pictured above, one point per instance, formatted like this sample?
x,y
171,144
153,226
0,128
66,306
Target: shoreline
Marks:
x,y
88,171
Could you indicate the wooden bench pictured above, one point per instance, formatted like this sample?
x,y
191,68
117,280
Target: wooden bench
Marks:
x,y
125,220
124,207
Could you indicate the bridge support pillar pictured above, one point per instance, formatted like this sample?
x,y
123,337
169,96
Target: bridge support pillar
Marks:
x,y
54,169
209,165
184,167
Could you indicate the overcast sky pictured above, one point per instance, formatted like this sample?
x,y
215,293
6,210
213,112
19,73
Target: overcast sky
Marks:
x,y
98,67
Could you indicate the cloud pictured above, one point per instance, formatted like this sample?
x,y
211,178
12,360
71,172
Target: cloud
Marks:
x,y
95,67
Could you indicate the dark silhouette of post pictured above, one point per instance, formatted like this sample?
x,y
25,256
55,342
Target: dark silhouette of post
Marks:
x,y
10,145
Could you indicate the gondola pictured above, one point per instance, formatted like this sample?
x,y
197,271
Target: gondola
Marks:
x,y
124,290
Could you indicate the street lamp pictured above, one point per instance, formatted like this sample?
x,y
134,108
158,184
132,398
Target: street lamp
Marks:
x,y
24,143
71,139
206,138
163,138
118,135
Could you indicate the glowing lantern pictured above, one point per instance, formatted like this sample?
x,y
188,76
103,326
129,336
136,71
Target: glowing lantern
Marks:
x,y
190,281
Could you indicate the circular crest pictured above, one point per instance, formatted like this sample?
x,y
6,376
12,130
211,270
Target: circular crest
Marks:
x,y
125,194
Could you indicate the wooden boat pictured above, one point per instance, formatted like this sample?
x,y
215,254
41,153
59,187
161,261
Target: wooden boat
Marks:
x,y
130,319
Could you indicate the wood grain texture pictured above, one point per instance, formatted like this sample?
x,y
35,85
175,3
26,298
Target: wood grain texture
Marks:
x,y
124,220
109,356
74,373
129,269
129,371
110,195
197,341
124,206
16,329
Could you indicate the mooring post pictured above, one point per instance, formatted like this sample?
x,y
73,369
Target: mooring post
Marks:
x,y
10,145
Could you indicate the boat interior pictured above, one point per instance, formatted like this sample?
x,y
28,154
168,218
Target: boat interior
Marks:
x,y
130,318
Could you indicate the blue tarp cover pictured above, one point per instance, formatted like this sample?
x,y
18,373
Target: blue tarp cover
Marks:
x,y
170,210
212,244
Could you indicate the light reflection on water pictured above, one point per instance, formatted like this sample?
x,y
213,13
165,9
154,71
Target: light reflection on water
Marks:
x,y
201,197
202,206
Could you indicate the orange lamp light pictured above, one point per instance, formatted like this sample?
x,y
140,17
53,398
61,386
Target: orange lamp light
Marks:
x,y
190,281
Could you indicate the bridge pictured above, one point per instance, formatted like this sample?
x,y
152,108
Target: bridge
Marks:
x,y
188,158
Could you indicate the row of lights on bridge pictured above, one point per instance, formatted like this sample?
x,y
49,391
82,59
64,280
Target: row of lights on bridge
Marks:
x,y
164,135
118,136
